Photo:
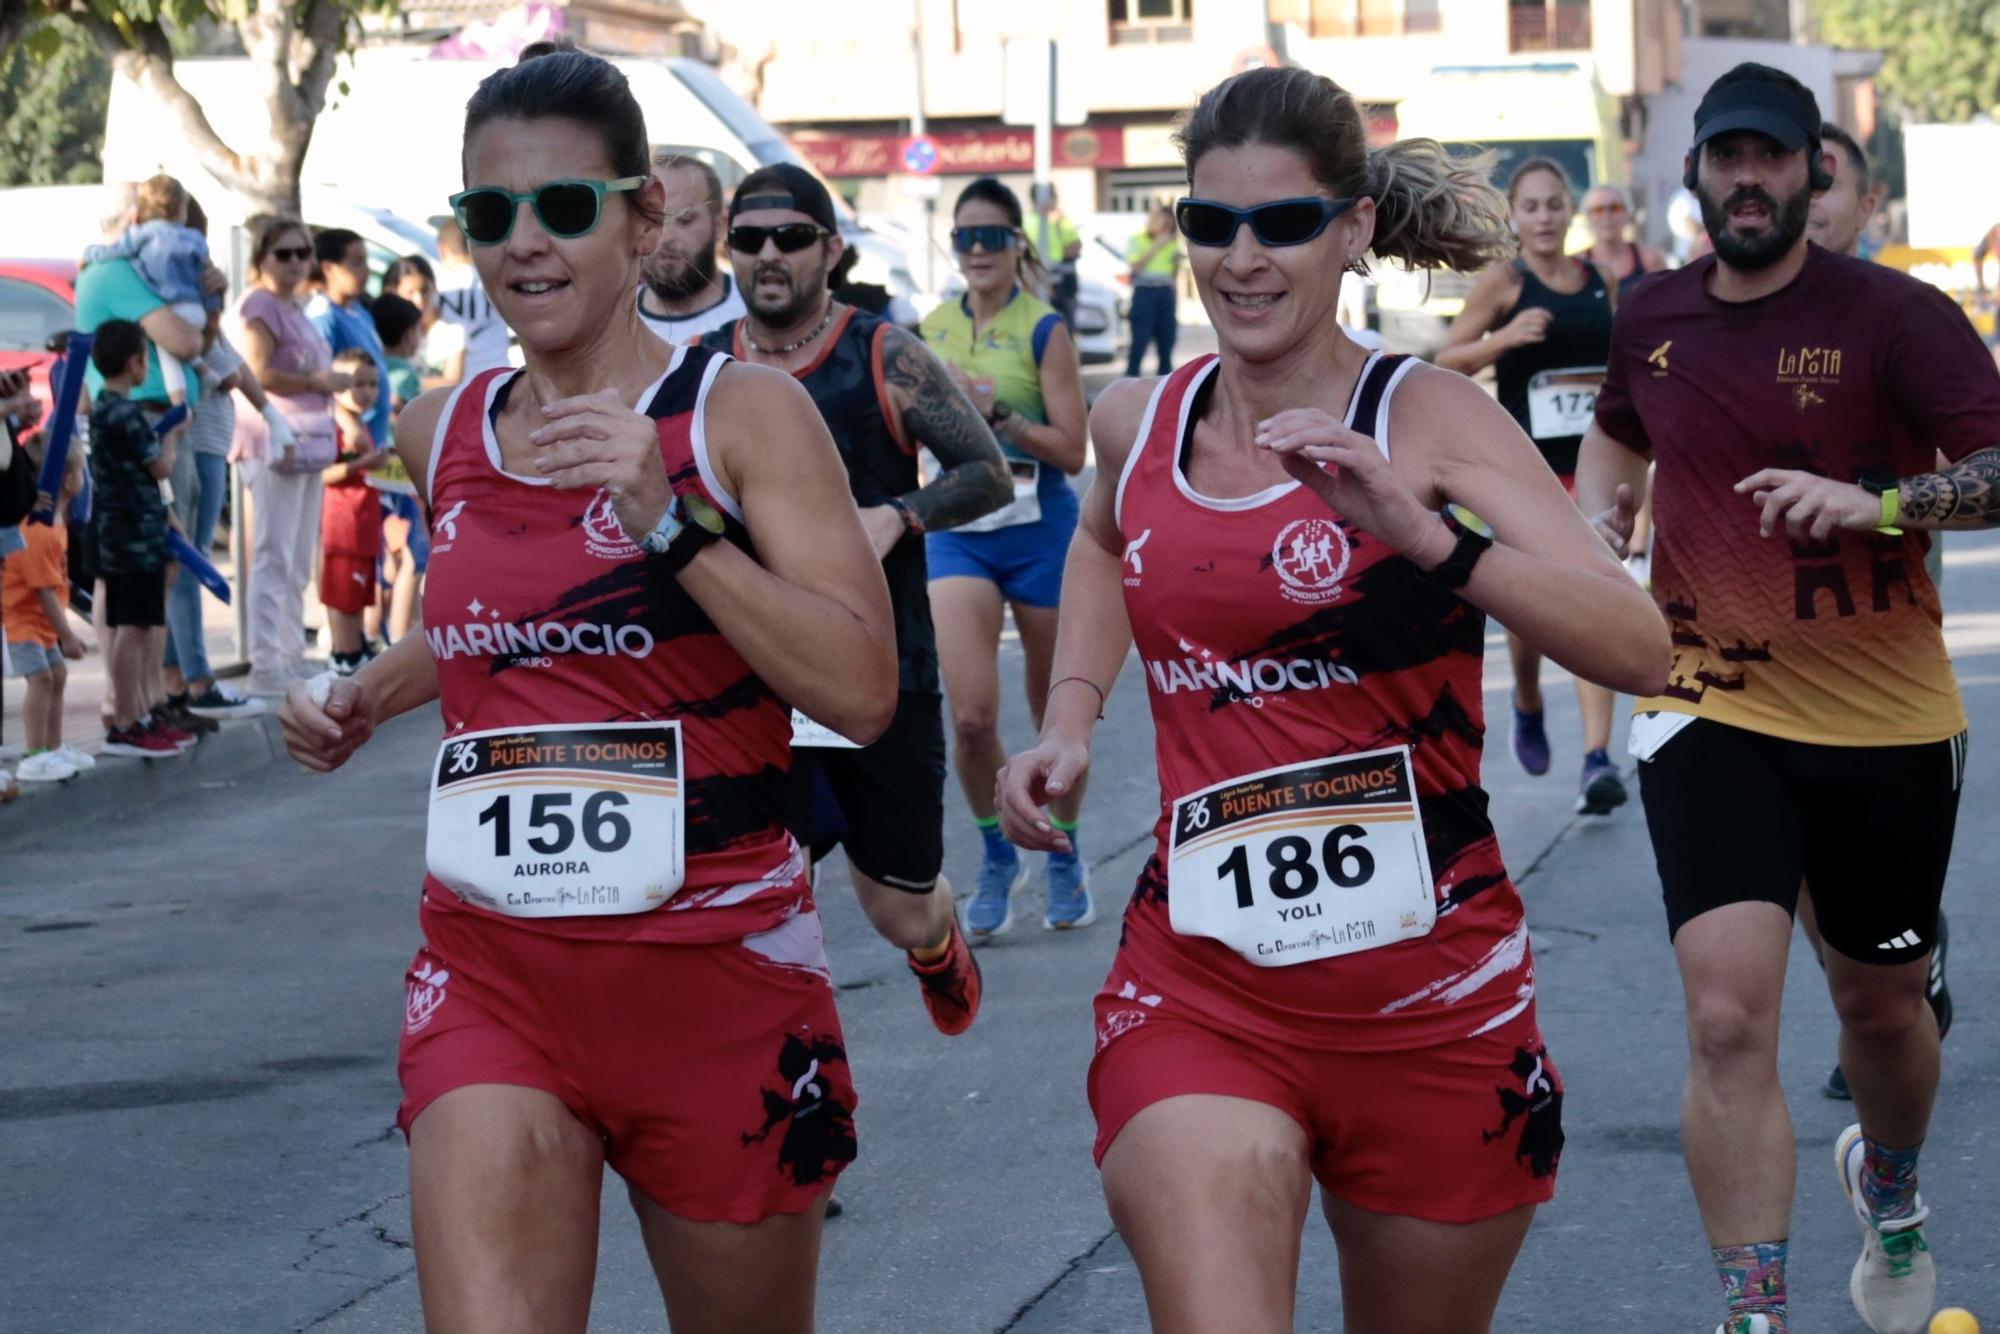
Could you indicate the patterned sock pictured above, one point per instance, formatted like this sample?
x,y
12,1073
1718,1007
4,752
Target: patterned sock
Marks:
x,y
998,849
1889,1180
1067,828
1753,1281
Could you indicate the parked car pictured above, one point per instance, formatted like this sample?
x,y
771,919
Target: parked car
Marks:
x,y
37,302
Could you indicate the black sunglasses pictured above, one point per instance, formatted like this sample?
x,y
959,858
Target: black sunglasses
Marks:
x,y
566,209
992,237
1279,223
285,254
790,237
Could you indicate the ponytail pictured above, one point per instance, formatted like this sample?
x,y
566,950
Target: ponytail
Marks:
x,y
1436,211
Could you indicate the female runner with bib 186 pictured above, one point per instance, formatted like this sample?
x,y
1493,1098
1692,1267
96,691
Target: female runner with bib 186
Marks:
x,y
1325,971
638,552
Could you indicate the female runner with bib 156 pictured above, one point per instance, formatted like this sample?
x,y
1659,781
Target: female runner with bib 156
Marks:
x,y
1325,972
638,551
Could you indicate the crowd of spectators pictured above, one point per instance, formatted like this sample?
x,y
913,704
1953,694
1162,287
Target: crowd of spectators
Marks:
x,y
293,383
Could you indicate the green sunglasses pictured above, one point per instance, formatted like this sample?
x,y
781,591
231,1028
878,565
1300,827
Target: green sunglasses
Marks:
x,y
566,209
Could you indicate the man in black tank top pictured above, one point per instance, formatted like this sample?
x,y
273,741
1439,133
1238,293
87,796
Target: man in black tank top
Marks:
x,y
882,395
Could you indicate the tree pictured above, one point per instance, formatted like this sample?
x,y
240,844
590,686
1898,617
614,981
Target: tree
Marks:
x,y
1941,57
53,88
294,43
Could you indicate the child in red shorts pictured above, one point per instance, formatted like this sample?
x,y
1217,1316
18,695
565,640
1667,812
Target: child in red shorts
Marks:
x,y
350,515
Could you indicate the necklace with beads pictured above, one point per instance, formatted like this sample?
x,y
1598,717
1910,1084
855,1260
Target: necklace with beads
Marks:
x,y
790,348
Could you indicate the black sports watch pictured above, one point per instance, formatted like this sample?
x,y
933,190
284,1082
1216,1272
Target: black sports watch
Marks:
x,y
1465,553
696,524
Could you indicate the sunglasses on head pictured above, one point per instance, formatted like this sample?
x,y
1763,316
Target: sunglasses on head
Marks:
x,y
789,237
566,209
286,254
993,236
1279,223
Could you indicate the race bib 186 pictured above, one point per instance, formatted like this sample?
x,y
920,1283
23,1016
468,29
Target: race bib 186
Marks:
x,y
581,821
1563,403
1303,862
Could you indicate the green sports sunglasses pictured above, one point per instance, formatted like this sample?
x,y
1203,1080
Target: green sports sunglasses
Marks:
x,y
566,209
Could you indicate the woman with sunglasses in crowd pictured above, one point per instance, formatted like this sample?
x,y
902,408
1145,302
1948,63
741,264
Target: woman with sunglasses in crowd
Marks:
x,y
292,360
1542,320
1016,361
1608,210
1325,971
639,551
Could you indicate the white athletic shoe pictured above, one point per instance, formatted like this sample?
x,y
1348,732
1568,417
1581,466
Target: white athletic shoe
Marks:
x,y
1894,1282
45,766
1745,1324
78,760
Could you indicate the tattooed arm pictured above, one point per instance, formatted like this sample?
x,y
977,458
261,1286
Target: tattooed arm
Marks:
x,y
1965,494
934,414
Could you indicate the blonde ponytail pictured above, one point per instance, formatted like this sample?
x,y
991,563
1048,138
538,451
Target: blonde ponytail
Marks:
x,y
1436,211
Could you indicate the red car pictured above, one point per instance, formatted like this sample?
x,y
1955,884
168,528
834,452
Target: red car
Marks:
x,y
37,301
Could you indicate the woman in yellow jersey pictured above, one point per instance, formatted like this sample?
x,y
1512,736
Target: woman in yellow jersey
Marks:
x,y
1015,359
1155,257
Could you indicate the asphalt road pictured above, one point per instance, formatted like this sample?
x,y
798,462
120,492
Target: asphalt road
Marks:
x,y
200,998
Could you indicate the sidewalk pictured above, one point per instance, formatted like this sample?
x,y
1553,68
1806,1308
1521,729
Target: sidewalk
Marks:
x,y
240,746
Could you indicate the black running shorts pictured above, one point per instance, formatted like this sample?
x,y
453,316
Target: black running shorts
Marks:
x,y
1740,817
884,803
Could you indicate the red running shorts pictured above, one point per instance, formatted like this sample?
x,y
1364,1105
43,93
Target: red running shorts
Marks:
x,y
1454,1133
716,1073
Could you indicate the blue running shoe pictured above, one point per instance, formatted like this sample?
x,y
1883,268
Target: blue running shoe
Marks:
x,y
1531,742
989,912
1069,895
1601,790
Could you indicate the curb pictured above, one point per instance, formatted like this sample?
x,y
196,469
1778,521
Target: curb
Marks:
x,y
118,786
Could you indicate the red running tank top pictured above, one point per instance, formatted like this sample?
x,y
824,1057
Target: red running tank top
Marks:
x,y
540,610
1275,632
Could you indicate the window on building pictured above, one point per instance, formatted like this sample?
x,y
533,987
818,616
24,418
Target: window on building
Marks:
x,y
1150,21
1355,18
1548,25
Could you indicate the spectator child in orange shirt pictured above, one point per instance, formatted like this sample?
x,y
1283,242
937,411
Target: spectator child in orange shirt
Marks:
x,y
350,515
34,586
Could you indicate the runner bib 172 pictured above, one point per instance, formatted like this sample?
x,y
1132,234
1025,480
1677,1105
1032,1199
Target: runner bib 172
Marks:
x,y
1303,862
1562,403
583,821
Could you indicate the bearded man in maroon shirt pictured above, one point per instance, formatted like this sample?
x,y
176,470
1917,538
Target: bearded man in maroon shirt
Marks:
x,y
1794,403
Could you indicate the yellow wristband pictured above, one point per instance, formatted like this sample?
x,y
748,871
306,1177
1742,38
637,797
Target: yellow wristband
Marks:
x,y
1892,509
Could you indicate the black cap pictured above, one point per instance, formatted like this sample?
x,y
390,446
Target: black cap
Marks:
x,y
1760,98
785,185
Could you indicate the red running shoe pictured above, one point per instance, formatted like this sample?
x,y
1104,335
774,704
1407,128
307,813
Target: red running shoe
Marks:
x,y
137,742
951,985
167,732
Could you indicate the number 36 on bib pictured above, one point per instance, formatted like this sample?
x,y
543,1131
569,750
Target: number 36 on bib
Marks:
x,y
1304,862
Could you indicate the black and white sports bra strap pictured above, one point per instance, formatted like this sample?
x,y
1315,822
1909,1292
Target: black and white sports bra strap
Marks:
x,y
1374,391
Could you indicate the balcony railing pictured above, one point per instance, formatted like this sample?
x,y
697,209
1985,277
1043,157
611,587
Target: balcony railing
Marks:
x,y
1556,27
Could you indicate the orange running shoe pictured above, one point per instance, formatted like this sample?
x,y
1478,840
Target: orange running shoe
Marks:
x,y
951,985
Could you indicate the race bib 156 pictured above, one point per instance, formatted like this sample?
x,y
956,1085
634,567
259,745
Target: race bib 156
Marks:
x,y
580,821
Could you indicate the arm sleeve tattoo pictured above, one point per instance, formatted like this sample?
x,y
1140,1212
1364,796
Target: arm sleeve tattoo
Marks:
x,y
1965,495
974,479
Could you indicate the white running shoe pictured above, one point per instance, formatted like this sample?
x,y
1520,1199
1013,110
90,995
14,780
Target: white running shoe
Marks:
x,y
1894,1283
79,760
45,766
1745,1324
